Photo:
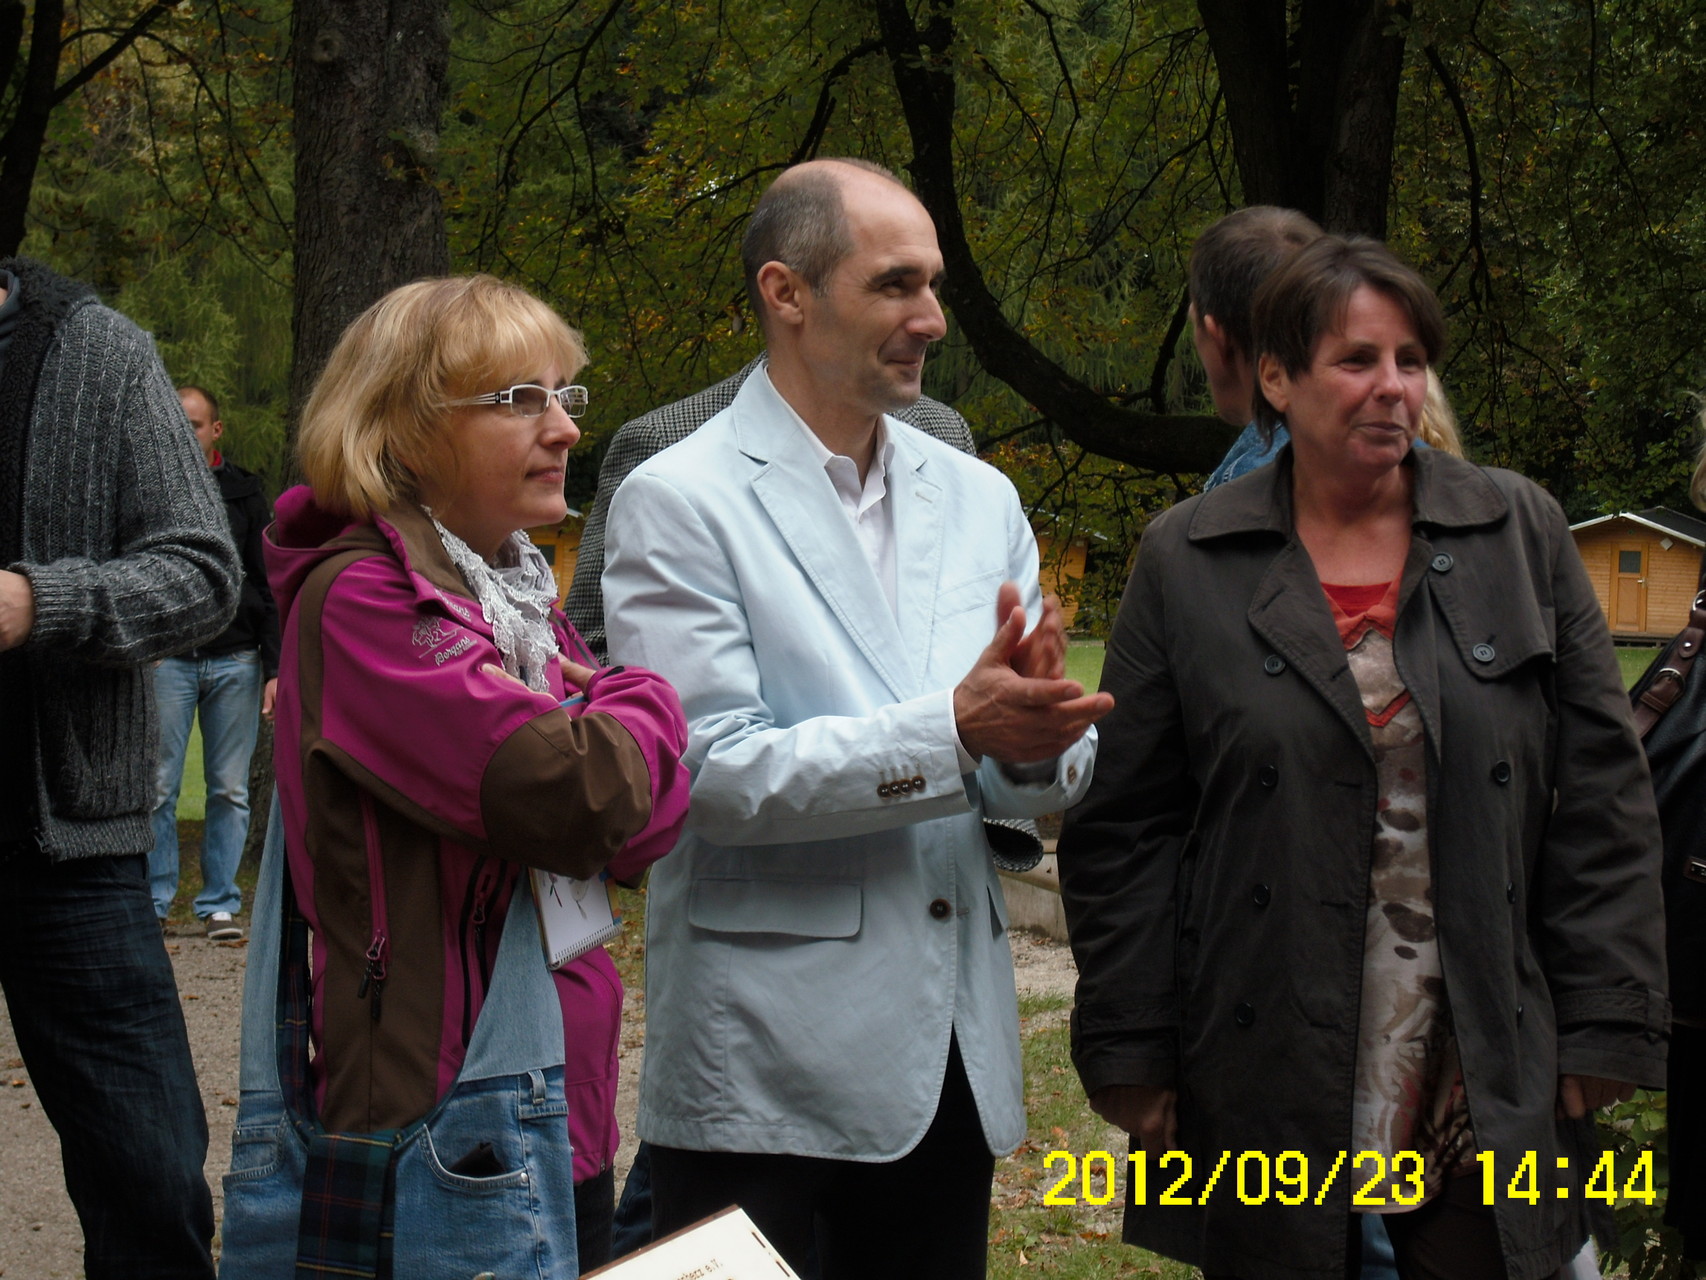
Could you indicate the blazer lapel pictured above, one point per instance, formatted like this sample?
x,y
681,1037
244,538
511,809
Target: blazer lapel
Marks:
x,y
796,494
919,523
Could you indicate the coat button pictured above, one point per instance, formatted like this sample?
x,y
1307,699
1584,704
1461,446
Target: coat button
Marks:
x,y
1244,1014
1519,1011
1502,772
884,790
1482,653
941,909
1268,776
1260,895
918,783
1510,892
1273,664
1442,563
901,786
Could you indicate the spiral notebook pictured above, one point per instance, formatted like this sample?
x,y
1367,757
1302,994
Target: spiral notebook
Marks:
x,y
574,915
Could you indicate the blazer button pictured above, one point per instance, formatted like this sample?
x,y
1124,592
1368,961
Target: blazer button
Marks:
x,y
1482,653
1502,772
1442,563
918,783
1268,776
1273,664
1510,892
1244,1014
941,909
1260,895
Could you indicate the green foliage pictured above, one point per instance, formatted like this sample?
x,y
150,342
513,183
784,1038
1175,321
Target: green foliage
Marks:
x,y
1650,1250
166,185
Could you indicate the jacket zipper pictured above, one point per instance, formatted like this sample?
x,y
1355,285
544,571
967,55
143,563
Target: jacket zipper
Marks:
x,y
379,944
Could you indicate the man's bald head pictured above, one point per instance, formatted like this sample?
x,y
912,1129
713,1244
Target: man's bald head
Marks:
x,y
801,220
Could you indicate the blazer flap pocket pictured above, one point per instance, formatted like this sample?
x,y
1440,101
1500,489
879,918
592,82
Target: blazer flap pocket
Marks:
x,y
803,908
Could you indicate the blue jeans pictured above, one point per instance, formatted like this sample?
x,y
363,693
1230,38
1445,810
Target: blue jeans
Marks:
x,y
95,1007
227,692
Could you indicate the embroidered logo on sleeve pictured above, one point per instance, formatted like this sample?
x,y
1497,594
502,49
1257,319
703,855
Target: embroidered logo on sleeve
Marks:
x,y
441,639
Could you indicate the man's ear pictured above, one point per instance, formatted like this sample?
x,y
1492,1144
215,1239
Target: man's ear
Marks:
x,y
218,428
783,292
1215,333
1275,383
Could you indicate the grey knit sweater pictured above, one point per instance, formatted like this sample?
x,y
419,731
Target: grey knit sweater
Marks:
x,y
124,539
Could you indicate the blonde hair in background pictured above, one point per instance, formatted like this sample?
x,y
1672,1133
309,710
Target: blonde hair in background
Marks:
x,y
378,420
1697,484
1438,427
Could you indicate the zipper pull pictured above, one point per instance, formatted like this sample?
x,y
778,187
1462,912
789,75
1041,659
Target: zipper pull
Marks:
x,y
373,976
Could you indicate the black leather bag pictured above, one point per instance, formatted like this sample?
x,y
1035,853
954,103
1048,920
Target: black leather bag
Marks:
x,y
1670,711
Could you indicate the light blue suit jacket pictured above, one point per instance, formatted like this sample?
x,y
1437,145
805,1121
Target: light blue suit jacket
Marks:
x,y
832,912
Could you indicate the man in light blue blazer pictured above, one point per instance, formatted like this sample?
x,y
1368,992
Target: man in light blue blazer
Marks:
x,y
831,1027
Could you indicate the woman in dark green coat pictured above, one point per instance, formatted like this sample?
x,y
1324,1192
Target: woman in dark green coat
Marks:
x,y
1364,894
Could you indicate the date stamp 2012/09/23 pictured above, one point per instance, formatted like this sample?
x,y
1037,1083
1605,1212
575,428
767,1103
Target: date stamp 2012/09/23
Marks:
x,y
1375,1180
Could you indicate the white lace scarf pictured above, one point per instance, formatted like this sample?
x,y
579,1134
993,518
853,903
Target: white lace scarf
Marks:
x,y
516,595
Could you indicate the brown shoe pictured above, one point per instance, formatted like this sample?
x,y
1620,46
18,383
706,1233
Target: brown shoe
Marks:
x,y
222,928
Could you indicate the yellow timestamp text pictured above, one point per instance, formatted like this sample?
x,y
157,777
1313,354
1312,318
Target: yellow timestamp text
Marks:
x,y
1525,1175
1254,1177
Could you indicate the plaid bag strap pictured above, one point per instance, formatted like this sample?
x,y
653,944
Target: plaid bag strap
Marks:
x,y
345,1227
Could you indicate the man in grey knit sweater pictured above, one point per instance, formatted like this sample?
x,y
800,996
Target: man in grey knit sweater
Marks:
x,y
116,552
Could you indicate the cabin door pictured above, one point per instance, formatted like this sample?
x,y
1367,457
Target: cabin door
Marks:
x,y
1629,587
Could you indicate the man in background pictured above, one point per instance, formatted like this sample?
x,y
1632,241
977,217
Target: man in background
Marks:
x,y
228,682
1230,261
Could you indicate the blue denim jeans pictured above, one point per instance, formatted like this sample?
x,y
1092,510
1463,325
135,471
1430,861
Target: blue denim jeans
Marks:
x,y
509,1094
226,692
94,1004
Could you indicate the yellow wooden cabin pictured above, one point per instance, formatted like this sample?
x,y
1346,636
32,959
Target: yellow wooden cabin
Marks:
x,y
561,543
1645,569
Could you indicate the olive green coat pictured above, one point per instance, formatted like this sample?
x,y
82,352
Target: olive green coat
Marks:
x,y
1216,873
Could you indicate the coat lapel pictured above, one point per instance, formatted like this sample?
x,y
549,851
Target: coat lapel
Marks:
x,y
796,494
920,520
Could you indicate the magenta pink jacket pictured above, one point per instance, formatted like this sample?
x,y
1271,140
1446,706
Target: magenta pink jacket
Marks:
x,y
415,787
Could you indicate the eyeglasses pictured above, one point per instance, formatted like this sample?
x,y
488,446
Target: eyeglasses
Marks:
x,y
529,399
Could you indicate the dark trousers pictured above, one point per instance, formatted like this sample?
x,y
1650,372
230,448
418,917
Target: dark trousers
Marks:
x,y
93,1002
595,1206
925,1215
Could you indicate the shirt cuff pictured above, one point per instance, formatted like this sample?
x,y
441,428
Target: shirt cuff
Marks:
x,y
968,762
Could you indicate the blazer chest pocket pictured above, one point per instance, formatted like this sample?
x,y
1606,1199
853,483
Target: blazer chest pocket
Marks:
x,y
971,593
800,908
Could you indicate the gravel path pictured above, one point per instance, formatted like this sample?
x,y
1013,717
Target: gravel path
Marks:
x,y
39,1236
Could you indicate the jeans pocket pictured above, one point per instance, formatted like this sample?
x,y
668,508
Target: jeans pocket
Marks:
x,y
256,1150
263,1203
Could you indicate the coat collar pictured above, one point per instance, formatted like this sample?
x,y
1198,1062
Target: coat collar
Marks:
x,y
799,498
1449,494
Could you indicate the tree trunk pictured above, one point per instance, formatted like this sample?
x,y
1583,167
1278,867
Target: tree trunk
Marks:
x,y
371,80
924,79
1312,112
20,146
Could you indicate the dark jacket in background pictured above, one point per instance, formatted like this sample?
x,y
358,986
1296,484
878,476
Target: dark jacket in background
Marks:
x,y
1216,875
256,623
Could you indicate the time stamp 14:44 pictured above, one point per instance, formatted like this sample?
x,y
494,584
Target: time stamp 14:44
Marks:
x,y
1376,1180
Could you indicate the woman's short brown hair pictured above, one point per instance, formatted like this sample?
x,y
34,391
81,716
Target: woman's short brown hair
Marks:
x,y
377,422
1307,297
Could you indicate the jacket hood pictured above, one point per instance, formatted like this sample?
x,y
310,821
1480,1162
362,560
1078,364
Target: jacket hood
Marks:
x,y
304,533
